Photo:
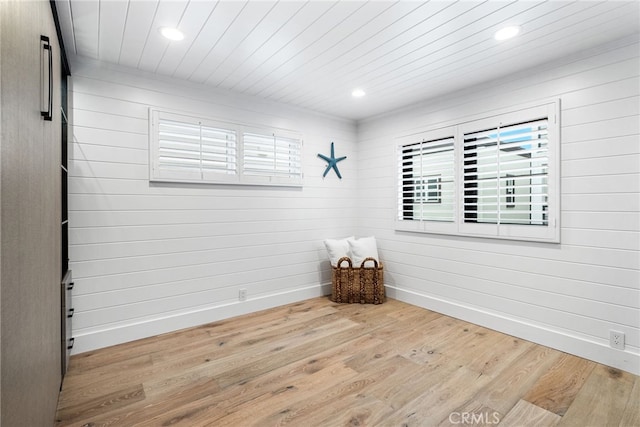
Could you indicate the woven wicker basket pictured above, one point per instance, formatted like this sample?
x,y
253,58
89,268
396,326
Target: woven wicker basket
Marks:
x,y
352,284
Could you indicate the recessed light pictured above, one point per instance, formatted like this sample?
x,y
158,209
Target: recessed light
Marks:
x,y
507,33
358,93
172,33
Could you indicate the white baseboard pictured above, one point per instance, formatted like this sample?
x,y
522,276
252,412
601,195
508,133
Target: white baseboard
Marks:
x,y
578,346
558,340
96,339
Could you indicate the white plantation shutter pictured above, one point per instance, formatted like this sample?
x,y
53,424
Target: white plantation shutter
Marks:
x,y
427,181
219,151
506,174
189,149
276,158
178,149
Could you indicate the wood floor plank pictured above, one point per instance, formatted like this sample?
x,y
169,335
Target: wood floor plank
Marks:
x,y
602,400
472,413
107,402
436,400
103,380
631,415
318,363
514,381
556,389
525,414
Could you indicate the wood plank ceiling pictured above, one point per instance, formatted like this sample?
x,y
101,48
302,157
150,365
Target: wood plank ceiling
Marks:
x,y
313,54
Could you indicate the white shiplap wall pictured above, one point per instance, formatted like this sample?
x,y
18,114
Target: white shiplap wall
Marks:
x,y
567,296
149,258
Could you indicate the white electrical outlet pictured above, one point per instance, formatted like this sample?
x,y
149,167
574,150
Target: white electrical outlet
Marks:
x,y
242,295
616,339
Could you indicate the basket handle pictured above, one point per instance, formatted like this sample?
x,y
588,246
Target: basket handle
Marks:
x,y
375,262
343,259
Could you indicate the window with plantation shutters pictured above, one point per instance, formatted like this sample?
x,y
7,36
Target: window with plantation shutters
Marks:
x,y
188,149
494,177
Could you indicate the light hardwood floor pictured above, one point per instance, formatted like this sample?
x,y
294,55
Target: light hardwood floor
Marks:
x,y
316,363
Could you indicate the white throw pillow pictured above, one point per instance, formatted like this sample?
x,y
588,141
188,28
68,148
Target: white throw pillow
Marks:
x,y
337,249
362,248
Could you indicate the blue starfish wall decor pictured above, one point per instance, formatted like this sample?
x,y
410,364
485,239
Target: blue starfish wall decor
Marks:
x,y
332,162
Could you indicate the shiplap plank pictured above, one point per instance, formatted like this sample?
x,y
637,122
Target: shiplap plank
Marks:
x,y
277,17
168,14
194,19
113,16
620,165
150,232
242,27
106,251
110,138
601,111
625,239
66,25
85,27
623,221
137,28
292,55
214,28
283,36
110,121
608,91
622,126
82,219
157,201
83,168
606,147
375,18
629,202
102,104
102,153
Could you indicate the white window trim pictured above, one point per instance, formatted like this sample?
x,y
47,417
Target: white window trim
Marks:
x,y
156,174
549,233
